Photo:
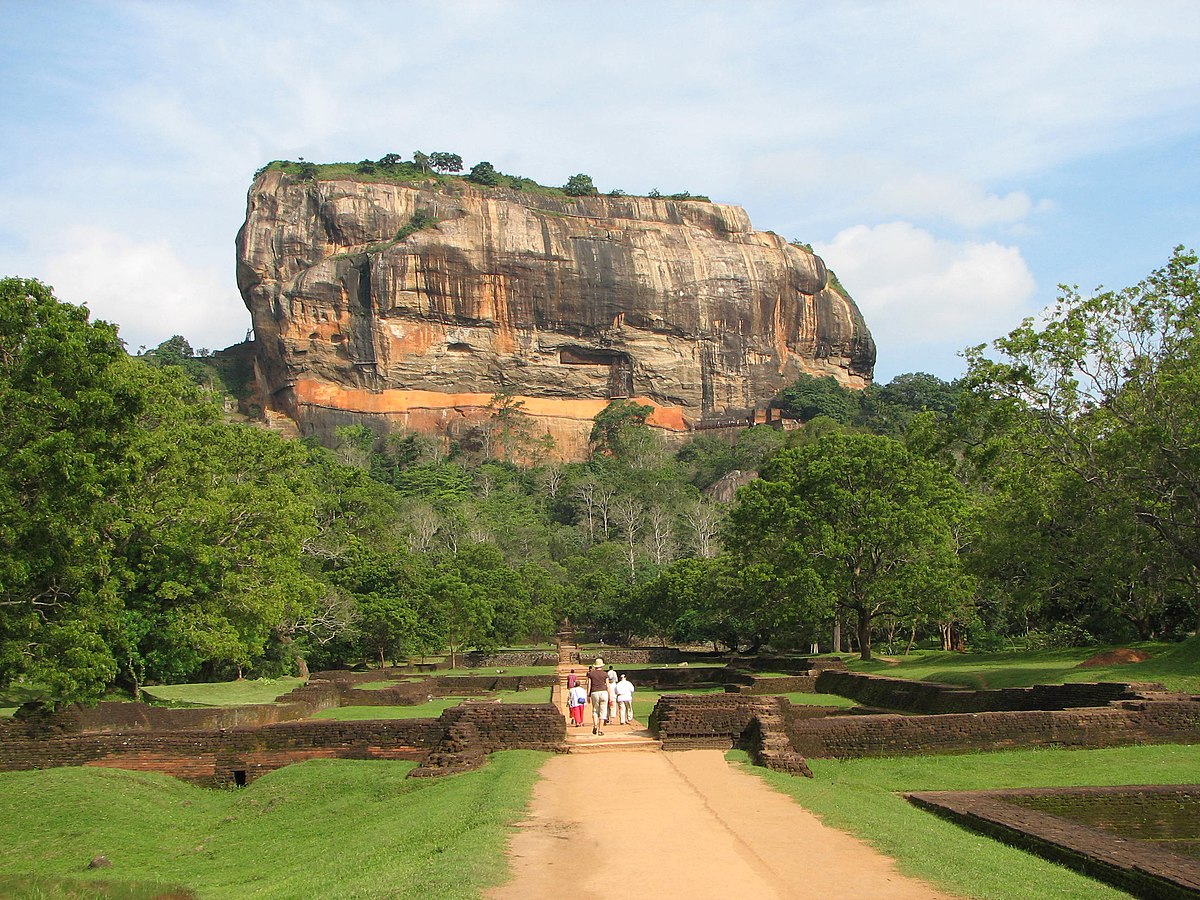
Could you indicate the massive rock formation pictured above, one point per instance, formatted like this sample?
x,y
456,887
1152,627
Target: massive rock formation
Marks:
x,y
412,305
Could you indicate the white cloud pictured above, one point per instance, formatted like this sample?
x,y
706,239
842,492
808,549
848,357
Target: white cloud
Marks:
x,y
146,289
882,188
930,297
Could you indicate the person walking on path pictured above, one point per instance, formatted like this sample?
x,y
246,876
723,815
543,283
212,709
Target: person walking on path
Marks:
x,y
577,699
624,691
611,714
598,690
572,679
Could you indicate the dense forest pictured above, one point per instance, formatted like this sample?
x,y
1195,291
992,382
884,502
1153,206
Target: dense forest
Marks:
x,y
1050,496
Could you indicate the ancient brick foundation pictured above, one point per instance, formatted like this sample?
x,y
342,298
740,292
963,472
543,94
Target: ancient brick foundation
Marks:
x,y
1142,868
722,721
932,698
217,756
508,658
847,737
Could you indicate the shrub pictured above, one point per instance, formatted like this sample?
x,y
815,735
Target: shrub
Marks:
x,y
420,220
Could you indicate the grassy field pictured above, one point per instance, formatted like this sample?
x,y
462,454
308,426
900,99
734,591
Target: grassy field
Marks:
x,y
224,693
324,828
862,797
430,710
1175,665
509,670
803,699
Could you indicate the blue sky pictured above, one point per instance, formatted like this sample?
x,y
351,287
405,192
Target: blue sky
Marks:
x,y
953,162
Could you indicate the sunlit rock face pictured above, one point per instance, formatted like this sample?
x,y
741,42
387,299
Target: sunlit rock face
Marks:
x,y
564,304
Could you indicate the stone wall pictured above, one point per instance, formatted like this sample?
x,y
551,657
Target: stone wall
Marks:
x,y
722,721
1144,868
217,756
847,737
629,656
933,698
787,684
504,659
790,664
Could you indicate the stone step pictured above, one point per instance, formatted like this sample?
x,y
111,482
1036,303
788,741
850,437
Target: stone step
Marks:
x,y
605,745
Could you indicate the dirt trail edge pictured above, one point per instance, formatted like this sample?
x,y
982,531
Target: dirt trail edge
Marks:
x,y
683,825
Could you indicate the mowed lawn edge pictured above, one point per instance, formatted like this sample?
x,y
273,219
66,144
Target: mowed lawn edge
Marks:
x,y
863,797
334,828
1175,665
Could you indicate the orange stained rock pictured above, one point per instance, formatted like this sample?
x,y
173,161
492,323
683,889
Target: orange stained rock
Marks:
x,y
392,402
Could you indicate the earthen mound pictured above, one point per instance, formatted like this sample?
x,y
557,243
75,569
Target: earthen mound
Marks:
x,y
1119,657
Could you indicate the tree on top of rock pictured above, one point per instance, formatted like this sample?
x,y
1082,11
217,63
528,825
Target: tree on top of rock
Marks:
x,y
580,186
446,162
484,173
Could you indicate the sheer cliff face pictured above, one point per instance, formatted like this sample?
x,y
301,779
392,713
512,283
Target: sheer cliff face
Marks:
x,y
564,304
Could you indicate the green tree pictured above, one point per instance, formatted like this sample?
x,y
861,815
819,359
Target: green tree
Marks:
x,y
856,522
68,412
1106,389
810,397
619,430
512,436
421,161
580,186
484,173
446,162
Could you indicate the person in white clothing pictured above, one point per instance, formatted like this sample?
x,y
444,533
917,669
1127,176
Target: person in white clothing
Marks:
x,y
612,695
624,691
577,699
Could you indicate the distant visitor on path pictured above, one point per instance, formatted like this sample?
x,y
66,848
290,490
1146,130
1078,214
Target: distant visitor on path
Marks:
x,y
572,678
611,713
598,690
624,691
577,699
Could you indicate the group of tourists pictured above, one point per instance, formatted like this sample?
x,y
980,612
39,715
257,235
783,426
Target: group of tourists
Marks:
x,y
610,694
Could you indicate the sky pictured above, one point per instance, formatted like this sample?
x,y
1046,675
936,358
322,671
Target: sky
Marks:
x,y
953,162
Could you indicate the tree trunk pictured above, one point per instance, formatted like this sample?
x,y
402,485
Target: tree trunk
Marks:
x,y
864,634
302,667
837,634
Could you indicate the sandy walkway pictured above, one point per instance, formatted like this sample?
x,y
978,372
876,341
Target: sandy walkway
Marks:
x,y
683,825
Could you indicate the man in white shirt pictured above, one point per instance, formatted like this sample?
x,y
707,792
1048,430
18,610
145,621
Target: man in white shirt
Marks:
x,y
624,691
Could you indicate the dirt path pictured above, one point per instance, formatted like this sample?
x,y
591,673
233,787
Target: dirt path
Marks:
x,y
683,825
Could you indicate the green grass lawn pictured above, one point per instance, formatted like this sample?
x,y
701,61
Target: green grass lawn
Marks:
x,y
224,693
484,672
429,710
1175,665
380,685
323,828
802,699
862,796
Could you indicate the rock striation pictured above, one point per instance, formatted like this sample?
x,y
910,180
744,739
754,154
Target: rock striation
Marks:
x,y
411,305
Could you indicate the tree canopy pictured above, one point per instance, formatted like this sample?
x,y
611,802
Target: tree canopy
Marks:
x,y
852,521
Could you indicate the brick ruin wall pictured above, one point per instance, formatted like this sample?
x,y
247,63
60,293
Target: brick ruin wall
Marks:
x,y
508,658
209,744
934,699
215,756
735,720
1134,722
1144,868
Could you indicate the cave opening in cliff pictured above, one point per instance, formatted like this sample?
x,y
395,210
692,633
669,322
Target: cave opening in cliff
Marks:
x,y
620,367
